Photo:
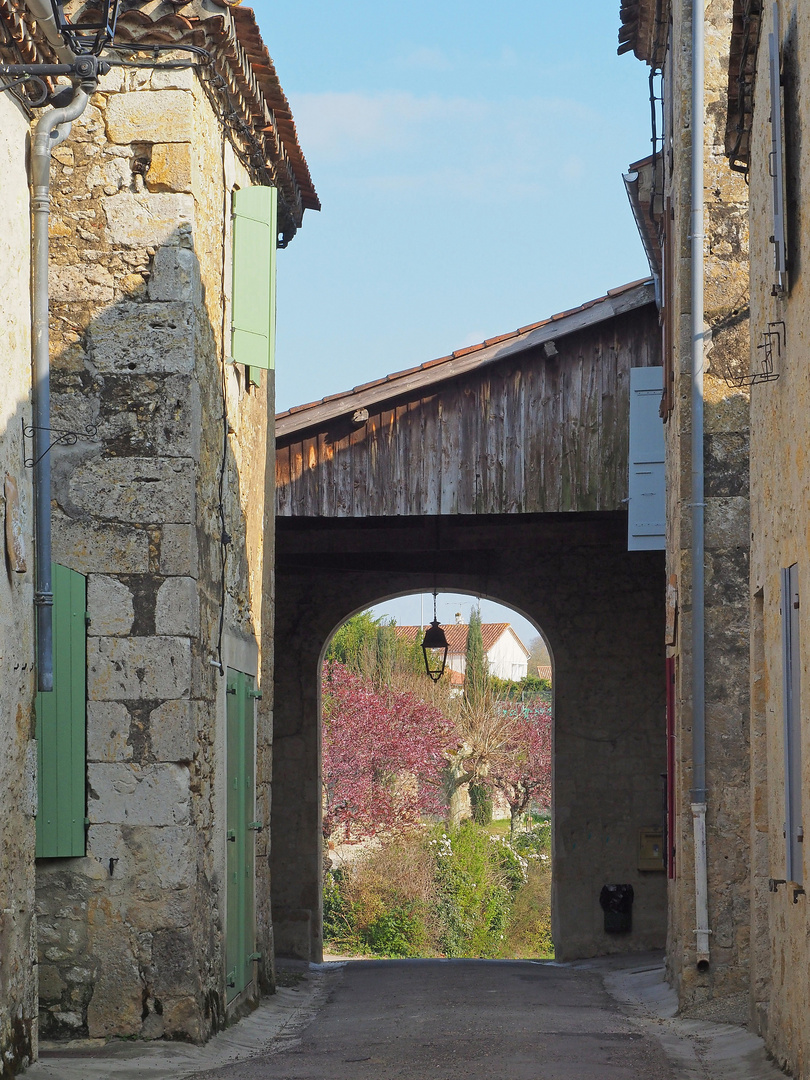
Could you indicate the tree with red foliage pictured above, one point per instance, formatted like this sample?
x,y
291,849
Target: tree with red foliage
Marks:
x,y
521,769
383,756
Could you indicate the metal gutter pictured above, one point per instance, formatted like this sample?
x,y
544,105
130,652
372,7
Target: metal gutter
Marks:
x,y
699,792
52,128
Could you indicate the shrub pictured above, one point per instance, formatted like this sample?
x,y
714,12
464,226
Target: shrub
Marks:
x,y
459,893
474,897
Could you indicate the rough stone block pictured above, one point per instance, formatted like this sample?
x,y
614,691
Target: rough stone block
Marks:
x,y
92,547
177,610
81,284
177,79
109,605
151,115
178,550
175,275
172,730
51,984
129,794
147,219
117,1002
143,338
128,669
137,490
108,731
170,168
166,854
727,523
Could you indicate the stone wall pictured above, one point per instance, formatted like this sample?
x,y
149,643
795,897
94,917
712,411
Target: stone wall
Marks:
x,y
132,935
726,318
780,527
17,747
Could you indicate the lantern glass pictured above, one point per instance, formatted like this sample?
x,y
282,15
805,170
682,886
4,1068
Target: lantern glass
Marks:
x,y
434,648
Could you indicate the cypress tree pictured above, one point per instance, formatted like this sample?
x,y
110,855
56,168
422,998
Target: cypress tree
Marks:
x,y
476,675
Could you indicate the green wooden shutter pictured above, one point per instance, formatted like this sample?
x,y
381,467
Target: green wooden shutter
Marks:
x,y
240,836
253,311
61,725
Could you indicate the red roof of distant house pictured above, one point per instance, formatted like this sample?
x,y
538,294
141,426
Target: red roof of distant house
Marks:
x,y
456,634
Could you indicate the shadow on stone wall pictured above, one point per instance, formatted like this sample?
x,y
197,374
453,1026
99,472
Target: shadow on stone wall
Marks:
x,y
131,936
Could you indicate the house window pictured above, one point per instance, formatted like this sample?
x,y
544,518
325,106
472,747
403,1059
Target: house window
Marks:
x,y
61,723
791,696
253,311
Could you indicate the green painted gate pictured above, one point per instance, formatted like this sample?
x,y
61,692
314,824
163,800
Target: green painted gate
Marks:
x,y
61,723
241,830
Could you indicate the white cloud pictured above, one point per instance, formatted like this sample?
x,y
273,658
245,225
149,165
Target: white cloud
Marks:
x,y
426,58
471,148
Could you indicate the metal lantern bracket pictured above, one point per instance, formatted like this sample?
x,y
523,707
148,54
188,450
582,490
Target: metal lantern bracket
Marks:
x,y
62,438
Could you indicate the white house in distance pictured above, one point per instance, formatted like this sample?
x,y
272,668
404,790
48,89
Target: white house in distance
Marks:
x,y
506,654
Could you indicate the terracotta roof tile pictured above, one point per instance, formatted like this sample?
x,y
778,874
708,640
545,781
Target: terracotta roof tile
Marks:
x,y
247,73
456,634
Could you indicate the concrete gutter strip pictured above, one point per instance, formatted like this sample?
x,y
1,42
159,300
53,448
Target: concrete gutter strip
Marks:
x,y
698,1049
275,1025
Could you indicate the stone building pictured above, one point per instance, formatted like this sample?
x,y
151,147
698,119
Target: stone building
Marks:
x,y
18,988
689,199
768,112
168,201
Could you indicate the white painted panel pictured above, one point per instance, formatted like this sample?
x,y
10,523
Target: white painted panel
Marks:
x,y
646,524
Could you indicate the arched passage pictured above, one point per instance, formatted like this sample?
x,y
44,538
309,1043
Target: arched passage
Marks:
x,y
601,608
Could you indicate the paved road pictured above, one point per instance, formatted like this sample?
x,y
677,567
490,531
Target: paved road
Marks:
x,y
463,1020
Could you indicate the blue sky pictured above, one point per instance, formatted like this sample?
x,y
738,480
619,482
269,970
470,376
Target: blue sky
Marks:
x,y
469,163
469,160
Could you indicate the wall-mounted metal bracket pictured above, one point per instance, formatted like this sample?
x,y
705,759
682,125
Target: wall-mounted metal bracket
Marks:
x,y
797,892
774,883
63,438
774,339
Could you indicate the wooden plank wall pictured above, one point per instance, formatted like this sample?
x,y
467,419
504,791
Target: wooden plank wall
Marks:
x,y
523,435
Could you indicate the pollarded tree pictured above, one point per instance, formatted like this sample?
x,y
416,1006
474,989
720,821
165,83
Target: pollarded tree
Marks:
x,y
383,756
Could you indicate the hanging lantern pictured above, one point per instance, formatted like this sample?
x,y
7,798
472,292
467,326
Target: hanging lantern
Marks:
x,y
434,647
90,35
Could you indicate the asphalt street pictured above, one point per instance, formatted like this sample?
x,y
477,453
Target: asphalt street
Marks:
x,y
603,1019
463,1020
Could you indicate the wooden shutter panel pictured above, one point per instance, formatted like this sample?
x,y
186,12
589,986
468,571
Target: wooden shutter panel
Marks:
x,y
253,312
61,725
646,488
241,740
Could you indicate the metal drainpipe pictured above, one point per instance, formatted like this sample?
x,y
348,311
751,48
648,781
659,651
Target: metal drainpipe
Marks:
x,y
52,128
46,24
699,794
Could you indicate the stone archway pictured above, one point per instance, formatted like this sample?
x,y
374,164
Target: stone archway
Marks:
x,y
601,608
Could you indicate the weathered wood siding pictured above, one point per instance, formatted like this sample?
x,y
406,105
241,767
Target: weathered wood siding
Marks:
x,y
525,434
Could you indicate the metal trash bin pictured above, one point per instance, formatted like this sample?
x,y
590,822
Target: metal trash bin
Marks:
x,y
616,902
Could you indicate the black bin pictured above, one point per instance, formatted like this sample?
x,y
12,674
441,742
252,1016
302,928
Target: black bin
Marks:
x,y
617,903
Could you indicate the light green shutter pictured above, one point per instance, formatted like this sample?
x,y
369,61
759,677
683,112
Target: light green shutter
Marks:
x,y
61,725
240,836
253,312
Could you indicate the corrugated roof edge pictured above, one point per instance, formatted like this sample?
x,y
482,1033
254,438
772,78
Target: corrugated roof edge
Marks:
x,y
300,417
